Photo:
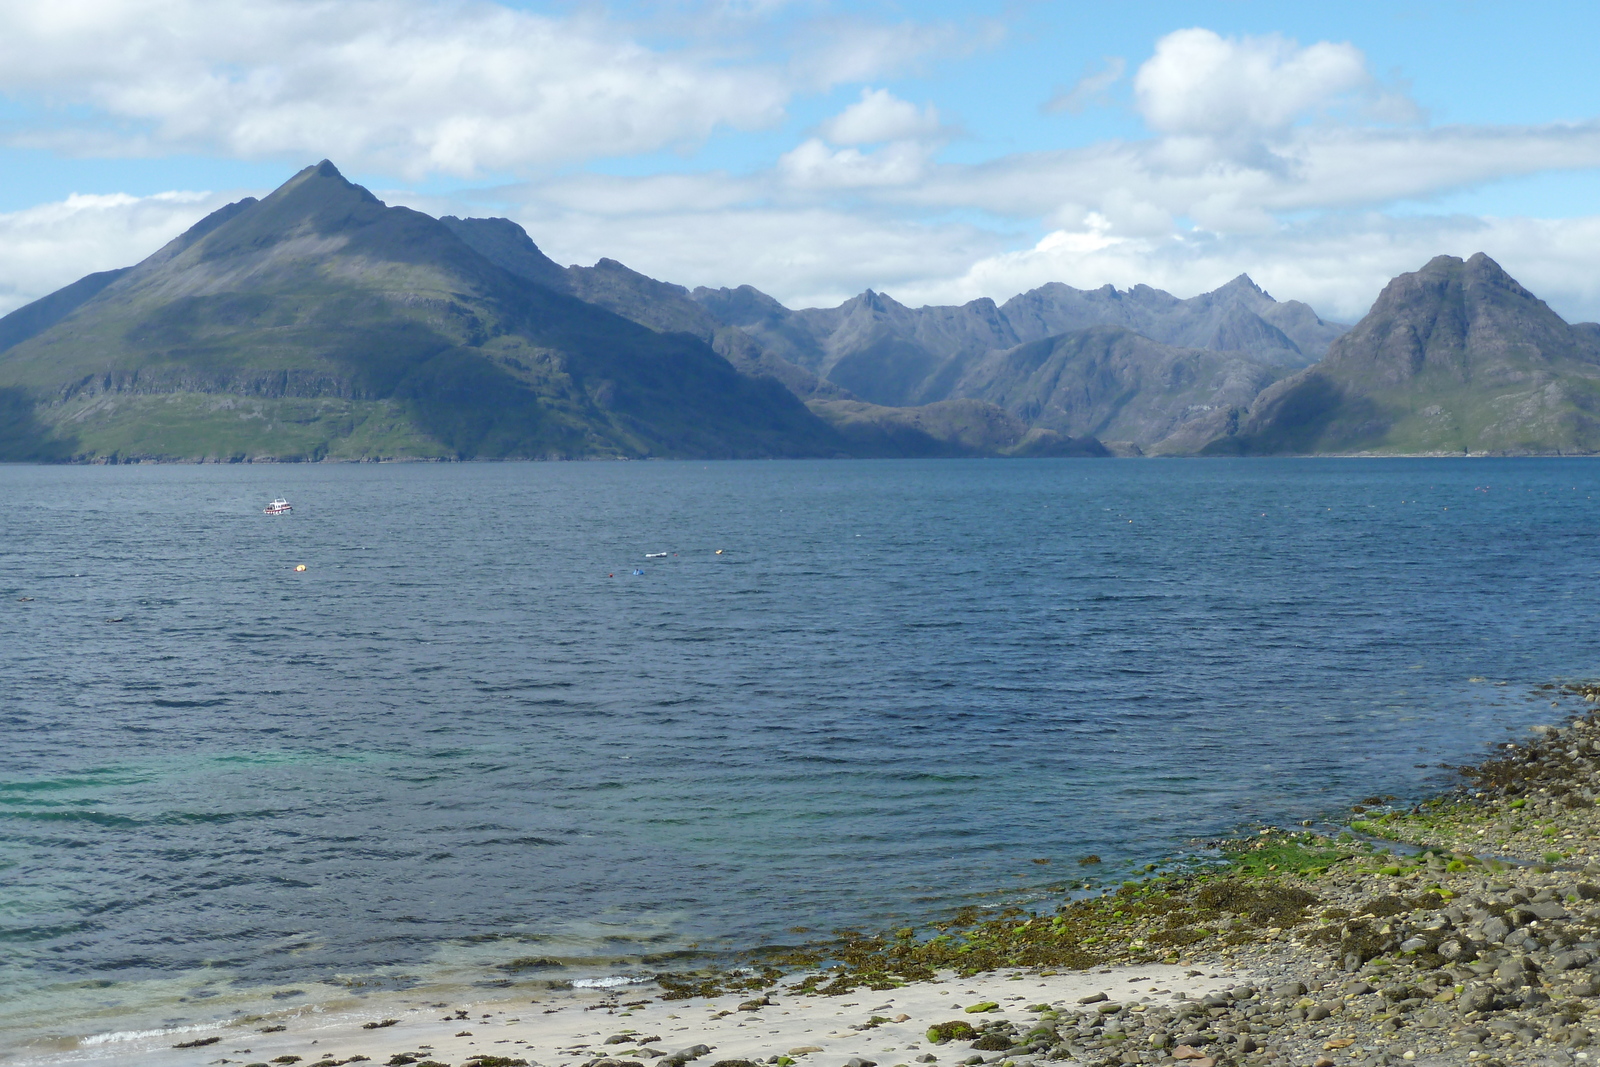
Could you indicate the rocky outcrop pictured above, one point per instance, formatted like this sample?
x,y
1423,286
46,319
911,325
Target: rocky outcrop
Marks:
x,y
1456,357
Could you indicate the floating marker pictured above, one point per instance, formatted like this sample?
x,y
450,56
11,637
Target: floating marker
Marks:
x,y
299,566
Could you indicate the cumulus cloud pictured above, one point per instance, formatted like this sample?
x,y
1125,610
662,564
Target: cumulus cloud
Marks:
x,y
409,87
814,165
881,116
1313,169
806,256
1201,83
50,245
1090,88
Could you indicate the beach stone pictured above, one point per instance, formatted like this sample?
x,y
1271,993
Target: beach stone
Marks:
x,y
1495,929
1093,998
1512,970
1477,997
803,1050
857,1061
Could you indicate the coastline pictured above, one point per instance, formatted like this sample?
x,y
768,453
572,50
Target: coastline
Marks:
x,y
1464,929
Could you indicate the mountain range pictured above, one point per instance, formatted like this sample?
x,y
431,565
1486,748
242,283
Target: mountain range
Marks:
x,y
320,323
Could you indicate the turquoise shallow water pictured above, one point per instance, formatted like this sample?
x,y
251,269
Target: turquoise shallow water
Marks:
x,y
468,732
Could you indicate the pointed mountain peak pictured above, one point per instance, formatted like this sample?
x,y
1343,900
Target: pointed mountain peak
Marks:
x,y
323,184
1242,282
873,300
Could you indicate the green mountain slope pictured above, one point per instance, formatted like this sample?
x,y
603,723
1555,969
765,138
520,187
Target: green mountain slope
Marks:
x,y
1456,357
662,306
320,323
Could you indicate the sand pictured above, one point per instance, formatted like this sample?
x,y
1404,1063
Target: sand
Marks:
x,y
569,1028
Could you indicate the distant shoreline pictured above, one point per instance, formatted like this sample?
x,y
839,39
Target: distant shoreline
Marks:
x,y
290,461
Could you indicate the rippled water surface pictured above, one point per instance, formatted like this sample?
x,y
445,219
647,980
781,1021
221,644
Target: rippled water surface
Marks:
x,y
470,732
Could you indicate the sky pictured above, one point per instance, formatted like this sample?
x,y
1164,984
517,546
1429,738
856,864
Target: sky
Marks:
x,y
937,152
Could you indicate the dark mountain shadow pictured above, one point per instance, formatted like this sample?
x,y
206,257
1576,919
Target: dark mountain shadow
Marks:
x,y
23,438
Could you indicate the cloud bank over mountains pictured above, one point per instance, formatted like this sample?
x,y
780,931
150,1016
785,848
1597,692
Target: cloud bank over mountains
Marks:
x,y
1293,161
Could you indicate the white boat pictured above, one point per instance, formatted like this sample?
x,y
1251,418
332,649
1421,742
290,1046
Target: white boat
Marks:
x,y
279,506
655,555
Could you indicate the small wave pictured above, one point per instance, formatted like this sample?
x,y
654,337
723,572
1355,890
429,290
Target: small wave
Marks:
x,y
612,981
135,1035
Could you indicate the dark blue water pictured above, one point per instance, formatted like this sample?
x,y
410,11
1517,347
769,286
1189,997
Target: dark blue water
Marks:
x,y
468,732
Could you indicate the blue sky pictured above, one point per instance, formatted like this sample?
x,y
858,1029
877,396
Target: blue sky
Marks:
x,y
935,151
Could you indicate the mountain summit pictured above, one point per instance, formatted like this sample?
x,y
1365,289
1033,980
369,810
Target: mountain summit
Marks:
x,y
319,322
1455,357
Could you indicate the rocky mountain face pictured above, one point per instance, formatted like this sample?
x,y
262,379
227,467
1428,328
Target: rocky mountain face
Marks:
x,y
319,322
887,353
1110,383
1456,357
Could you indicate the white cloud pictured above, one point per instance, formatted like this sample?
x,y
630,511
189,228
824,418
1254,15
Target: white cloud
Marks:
x,y
805,256
1318,168
50,245
1200,83
410,87
881,116
1090,88
815,165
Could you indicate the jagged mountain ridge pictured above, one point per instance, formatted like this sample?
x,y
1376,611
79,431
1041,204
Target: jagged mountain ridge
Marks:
x,y
1456,357
1109,382
888,353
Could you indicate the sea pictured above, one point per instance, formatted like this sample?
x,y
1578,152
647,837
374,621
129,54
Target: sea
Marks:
x,y
618,718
